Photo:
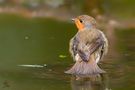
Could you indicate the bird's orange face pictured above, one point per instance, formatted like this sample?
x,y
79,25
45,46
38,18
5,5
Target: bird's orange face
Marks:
x,y
79,24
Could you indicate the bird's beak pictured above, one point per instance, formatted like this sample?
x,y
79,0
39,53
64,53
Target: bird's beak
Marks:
x,y
73,19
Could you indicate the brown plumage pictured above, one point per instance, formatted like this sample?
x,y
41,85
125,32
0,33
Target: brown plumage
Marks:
x,y
87,47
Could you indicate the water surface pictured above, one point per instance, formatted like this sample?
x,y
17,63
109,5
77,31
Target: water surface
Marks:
x,y
39,41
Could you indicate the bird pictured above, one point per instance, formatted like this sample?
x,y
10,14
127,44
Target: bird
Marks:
x,y
87,47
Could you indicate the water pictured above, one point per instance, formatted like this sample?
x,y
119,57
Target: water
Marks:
x,y
38,42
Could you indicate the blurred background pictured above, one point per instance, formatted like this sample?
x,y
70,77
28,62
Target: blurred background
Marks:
x,y
34,39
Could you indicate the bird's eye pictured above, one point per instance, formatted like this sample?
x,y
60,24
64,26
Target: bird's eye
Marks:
x,y
81,21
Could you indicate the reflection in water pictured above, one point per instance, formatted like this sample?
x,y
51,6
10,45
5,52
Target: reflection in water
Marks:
x,y
92,83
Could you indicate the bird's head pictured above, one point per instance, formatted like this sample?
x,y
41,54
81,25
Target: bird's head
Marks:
x,y
84,22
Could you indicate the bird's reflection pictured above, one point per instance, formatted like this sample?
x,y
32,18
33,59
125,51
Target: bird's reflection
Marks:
x,y
99,82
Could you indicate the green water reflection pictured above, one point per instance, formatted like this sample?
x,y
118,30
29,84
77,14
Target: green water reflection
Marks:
x,y
33,41
45,41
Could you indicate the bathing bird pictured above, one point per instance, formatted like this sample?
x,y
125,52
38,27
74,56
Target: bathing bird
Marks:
x,y
87,47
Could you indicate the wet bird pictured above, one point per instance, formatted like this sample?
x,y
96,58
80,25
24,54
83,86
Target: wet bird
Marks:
x,y
87,47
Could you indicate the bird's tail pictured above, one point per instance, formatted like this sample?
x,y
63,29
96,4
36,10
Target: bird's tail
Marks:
x,y
85,69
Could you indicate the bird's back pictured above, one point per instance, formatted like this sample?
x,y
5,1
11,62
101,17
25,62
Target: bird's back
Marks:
x,y
88,35
84,41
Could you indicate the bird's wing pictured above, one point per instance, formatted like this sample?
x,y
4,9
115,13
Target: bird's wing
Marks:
x,y
73,47
89,48
96,44
104,48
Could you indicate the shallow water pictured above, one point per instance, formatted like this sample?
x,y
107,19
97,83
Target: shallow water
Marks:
x,y
40,42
